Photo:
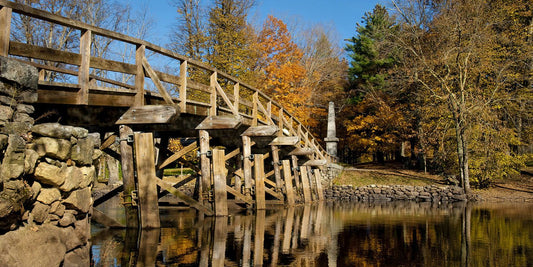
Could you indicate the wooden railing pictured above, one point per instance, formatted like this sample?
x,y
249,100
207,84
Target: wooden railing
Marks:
x,y
221,92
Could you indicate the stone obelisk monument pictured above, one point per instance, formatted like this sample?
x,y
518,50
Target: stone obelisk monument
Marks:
x,y
331,139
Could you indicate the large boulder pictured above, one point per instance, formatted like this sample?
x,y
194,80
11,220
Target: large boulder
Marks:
x,y
39,246
57,130
73,178
79,200
52,147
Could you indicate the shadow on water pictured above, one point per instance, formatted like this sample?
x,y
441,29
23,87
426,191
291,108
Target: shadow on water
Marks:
x,y
363,234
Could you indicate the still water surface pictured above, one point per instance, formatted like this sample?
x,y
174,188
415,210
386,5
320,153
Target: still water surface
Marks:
x,y
364,234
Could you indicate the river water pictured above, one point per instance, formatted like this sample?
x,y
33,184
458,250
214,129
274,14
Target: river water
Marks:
x,y
327,234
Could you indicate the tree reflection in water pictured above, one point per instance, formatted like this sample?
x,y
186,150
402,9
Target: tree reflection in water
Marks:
x,y
363,234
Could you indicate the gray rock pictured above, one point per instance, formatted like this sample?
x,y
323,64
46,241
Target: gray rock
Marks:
x,y
36,189
95,138
57,130
68,219
50,174
71,239
30,160
12,198
79,200
21,73
23,117
6,114
51,147
8,101
49,195
82,152
73,177
3,141
23,108
39,246
89,174
60,210
79,257
40,212
13,163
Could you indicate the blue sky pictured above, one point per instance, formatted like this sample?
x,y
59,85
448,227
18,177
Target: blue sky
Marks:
x,y
341,15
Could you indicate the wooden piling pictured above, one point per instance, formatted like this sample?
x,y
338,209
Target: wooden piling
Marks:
x,y
288,182
320,190
219,242
259,237
305,184
247,164
147,188
128,177
288,231
219,182
277,163
259,172
205,167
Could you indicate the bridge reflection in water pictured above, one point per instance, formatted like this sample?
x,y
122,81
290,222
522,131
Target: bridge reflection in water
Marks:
x,y
389,234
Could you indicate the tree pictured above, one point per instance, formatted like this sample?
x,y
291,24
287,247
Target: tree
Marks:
x,y
230,37
281,69
189,36
451,57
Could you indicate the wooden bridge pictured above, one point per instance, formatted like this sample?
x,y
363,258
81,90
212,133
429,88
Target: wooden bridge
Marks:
x,y
251,151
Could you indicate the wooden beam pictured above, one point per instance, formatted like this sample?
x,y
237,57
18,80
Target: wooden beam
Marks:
x,y
225,98
157,82
149,114
294,161
247,164
205,166
305,184
178,155
263,130
277,164
109,141
213,94
315,163
302,151
240,196
288,182
255,114
84,69
5,30
236,96
97,201
183,197
259,172
139,76
274,193
147,190
128,176
232,154
285,141
320,190
219,182
219,122
183,86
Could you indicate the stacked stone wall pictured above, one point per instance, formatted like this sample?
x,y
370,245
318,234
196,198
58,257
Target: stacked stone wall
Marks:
x,y
46,176
436,194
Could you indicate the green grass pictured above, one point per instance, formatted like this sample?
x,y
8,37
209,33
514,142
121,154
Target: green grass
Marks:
x,y
177,171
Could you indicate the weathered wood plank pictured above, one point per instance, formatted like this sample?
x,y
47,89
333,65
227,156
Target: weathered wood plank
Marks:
x,y
219,182
128,176
178,155
285,141
105,220
108,142
219,122
294,162
302,151
225,98
144,154
83,71
240,196
183,86
205,166
315,163
5,30
247,164
263,130
277,164
259,172
157,82
305,184
318,180
288,182
183,197
273,193
139,76
232,154
149,114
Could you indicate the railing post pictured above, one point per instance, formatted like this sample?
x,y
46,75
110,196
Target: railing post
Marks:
x,y
213,84
5,30
139,76
84,69
183,86
254,109
236,95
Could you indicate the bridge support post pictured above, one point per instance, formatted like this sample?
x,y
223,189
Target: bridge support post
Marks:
x,y
288,182
205,167
219,183
147,188
277,173
259,171
128,177
305,184
312,184
294,162
318,179
247,164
